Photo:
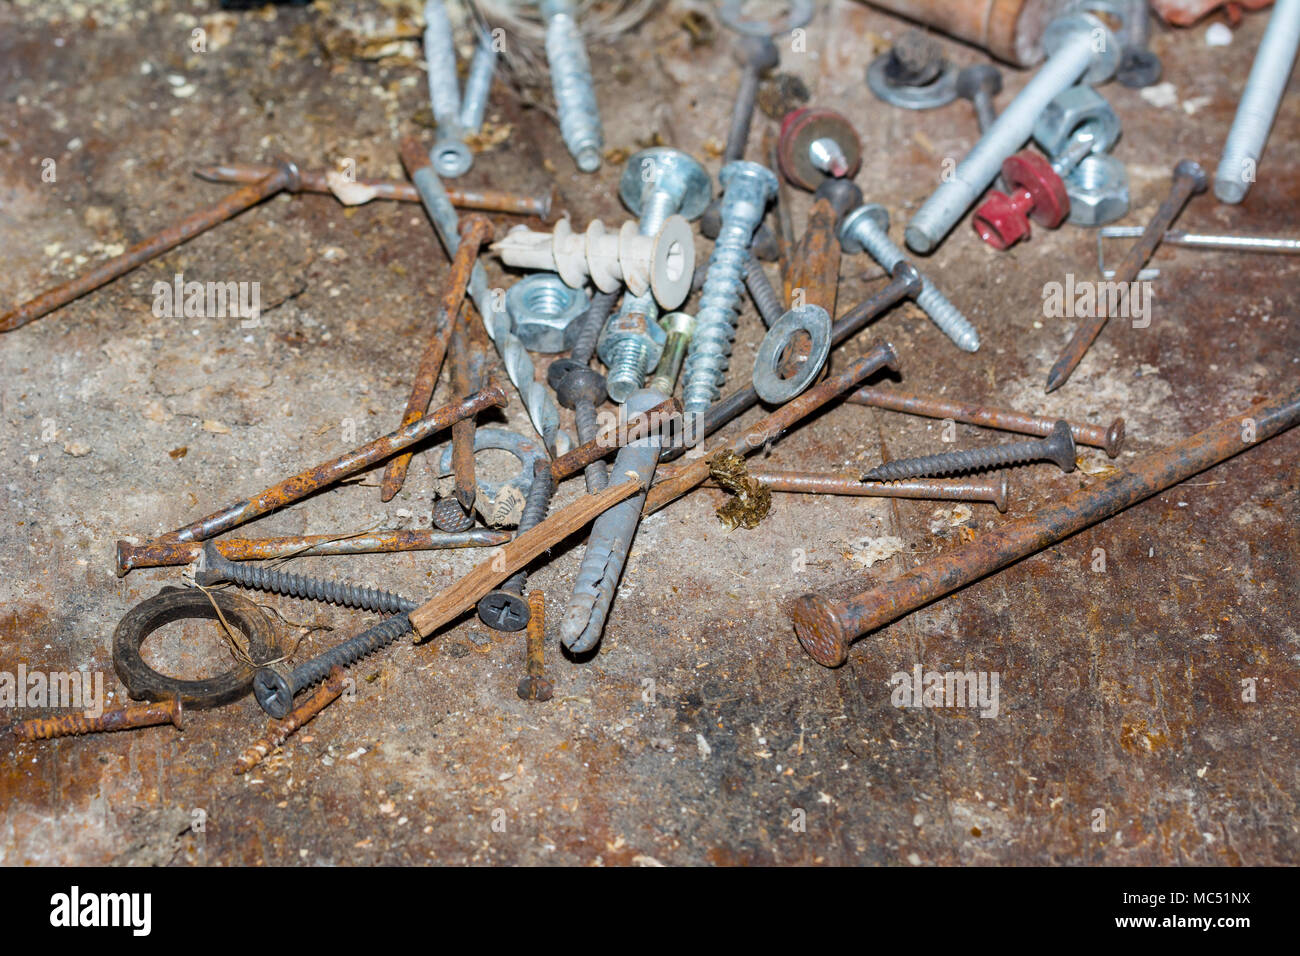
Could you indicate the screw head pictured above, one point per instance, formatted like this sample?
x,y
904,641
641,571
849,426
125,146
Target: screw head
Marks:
x,y
272,692
1139,68
1035,175
904,271
758,53
504,611
871,215
581,384
1059,447
980,78
671,168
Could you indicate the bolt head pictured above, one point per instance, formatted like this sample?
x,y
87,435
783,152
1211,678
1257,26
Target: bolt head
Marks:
x,y
625,325
504,611
980,78
678,323
674,170
870,215
842,194
1084,27
1035,175
904,271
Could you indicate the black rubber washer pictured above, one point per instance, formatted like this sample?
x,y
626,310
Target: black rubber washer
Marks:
x,y
179,604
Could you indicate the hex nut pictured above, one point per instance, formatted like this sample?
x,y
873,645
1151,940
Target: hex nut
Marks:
x,y
1098,191
1079,109
541,307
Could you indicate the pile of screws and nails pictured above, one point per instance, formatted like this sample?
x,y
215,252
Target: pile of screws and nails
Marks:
x,y
642,273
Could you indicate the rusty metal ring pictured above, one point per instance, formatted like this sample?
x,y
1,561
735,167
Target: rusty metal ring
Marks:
x,y
178,604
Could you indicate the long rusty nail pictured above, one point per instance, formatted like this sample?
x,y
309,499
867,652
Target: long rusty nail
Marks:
x,y
534,685
612,439
463,375
993,491
278,731
1110,437
1189,179
137,715
317,181
826,628
320,476
475,230
279,177
168,554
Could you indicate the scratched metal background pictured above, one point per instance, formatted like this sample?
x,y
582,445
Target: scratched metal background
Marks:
x,y
1121,690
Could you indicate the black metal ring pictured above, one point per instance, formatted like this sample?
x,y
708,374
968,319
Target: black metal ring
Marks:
x,y
178,604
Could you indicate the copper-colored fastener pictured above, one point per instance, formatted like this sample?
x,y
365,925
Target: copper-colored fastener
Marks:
x,y
317,181
137,715
827,627
534,685
993,491
277,178
475,230
1110,437
168,554
321,476
278,731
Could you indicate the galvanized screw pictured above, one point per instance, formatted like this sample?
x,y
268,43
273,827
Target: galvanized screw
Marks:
x,y
867,228
478,84
1081,46
631,343
1058,447
450,156
1259,102
571,82
747,188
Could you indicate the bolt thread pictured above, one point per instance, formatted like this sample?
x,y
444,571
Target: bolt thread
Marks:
x,y
627,368
953,462
760,290
440,56
473,104
348,652
659,205
574,90
537,503
932,302
263,578
715,322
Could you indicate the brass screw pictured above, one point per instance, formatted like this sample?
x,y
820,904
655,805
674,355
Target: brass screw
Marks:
x,y
137,715
278,731
534,685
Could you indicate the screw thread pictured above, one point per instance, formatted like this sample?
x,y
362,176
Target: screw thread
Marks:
x,y
440,55
627,368
574,90
478,83
715,321
596,474
262,578
931,301
536,504
598,312
953,462
316,669
760,290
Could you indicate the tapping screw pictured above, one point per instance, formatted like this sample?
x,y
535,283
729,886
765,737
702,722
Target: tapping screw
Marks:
x,y
478,84
1057,447
866,228
505,609
1080,46
582,389
571,82
747,189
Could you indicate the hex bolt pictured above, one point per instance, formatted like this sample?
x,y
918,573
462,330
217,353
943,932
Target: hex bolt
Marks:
x,y
1058,447
1189,179
1259,102
610,539
1035,190
478,84
450,156
867,228
1080,46
534,685
128,718
747,189
679,326
827,627
504,608
1139,67
281,730
631,343
284,176
571,82
1109,438
214,568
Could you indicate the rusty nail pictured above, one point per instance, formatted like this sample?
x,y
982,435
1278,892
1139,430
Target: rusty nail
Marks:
x,y
993,491
534,685
1110,437
137,715
278,731
826,628
475,230
279,177
612,439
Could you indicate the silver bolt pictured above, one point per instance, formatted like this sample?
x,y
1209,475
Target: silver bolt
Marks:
x,y
478,84
631,343
571,82
747,189
1259,102
867,227
450,156
1080,47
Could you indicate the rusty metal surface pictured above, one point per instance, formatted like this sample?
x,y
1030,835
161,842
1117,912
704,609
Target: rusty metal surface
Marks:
x,y
1121,689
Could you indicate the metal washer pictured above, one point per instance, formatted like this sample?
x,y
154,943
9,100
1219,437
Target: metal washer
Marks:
x,y
938,92
768,383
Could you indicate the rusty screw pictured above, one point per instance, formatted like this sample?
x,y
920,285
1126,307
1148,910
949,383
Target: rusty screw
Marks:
x,y
278,731
1058,447
137,715
534,685
282,176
